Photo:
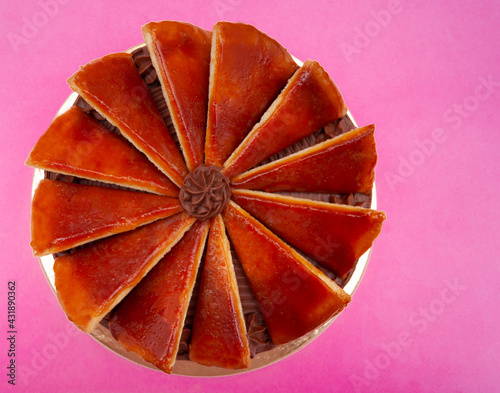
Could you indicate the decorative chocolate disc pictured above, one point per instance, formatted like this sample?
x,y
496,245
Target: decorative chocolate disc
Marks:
x,y
205,192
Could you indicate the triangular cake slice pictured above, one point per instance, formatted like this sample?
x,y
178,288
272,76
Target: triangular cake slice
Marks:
x,y
180,53
66,215
150,320
294,296
309,101
219,332
343,164
114,88
334,235
78,145
92,280
248,70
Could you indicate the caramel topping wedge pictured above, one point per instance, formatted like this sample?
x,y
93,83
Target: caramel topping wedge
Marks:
x,y
149,322
91,281
66,215
78,145
309,101
294,296
248,70
343,164
114,88
334,235
180,53
219,332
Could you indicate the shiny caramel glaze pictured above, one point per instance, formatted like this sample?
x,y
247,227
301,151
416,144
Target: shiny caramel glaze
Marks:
x,y
343,164
92,280
180,53
114,88
334,235
66,215
248,71
309,102
294,296
76,144
149,322
219,332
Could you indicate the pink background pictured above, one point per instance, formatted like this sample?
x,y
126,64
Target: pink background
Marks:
x,y
426,315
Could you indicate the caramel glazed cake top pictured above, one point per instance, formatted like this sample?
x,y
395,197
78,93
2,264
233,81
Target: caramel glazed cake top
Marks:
x,y
258,336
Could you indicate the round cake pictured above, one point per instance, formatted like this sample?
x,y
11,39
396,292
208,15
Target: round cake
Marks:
x,y
205,198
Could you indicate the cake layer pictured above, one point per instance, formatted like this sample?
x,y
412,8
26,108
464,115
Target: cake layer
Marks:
x,y
149,322
334,235
248,70
310,101
77,144
343,164
293,295
66,215
114,88
219,333
180,53
92,280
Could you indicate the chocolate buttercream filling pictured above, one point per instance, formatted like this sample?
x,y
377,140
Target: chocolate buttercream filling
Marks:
x,y
257,333
144,65
205,192
259,339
